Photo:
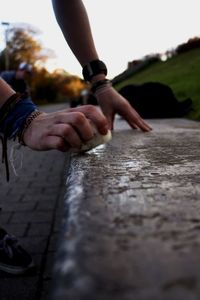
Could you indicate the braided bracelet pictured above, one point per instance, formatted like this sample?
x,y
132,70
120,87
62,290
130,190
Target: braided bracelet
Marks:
x,y
100,84
27,123
102,90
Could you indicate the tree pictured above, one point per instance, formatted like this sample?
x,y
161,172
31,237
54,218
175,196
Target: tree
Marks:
x,y
192,43
23,46
45,87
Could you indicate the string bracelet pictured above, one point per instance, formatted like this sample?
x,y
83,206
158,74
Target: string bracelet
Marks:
x,y
8,106
101,87
13,116
100,84
4,112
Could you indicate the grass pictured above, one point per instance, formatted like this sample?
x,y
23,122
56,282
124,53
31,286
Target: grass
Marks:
x,y
181,73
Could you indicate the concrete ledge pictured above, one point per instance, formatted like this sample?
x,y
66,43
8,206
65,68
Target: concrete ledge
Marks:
x,y
131,223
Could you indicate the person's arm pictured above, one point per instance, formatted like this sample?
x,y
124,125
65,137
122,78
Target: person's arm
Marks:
x,y
61,130
73,21
5,92
65,129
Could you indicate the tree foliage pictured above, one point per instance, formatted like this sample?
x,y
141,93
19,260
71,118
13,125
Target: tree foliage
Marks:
x,y
22,45
56,86
189,45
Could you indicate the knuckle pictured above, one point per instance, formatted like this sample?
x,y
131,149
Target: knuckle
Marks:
x,y
91,108
57,117
66,130
79,118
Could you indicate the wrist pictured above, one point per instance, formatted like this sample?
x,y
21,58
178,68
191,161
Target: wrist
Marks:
x,y
97,78
26,125
100,84
100,87
13,115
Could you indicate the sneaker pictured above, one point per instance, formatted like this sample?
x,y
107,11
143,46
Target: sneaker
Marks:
x,y
13,258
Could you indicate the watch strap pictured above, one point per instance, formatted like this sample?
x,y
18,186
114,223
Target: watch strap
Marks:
x,y
93,68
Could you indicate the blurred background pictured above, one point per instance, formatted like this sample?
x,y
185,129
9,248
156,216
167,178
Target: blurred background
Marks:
x,y
140,41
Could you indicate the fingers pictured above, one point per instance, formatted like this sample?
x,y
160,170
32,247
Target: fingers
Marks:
x,y
64,129
74,124
133,118
55,142
112,102
71,129
95,115
68,134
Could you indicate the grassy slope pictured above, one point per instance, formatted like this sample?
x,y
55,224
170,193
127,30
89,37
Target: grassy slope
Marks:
x,y
181,73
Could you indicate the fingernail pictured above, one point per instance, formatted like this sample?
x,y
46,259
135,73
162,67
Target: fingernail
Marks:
x,y
103,130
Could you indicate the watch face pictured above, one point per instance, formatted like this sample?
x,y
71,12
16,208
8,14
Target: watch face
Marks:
x,y
95,67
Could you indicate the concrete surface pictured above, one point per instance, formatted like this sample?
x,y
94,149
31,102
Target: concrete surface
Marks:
x,y
132,217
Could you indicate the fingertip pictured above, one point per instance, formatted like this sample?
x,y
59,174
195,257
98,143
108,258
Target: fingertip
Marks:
x,y
103,130
148,127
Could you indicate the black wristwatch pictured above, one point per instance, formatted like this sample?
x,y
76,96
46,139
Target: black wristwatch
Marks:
x,y
93,68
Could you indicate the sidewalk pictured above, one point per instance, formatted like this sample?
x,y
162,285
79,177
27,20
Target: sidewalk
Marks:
x,y
32,209
132,220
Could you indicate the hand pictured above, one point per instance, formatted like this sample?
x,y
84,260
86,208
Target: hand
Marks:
x,y
111,102
64,129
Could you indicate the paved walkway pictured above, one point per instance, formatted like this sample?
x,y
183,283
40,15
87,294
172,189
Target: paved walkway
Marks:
x,y
132,220
32,209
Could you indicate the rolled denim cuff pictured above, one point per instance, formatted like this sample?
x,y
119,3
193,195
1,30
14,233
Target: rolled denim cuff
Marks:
x,y
14,121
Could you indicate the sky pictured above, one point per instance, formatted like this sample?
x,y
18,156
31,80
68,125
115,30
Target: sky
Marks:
x,y
123,30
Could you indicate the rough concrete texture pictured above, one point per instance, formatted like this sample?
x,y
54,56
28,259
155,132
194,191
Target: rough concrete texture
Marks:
x,y
132,217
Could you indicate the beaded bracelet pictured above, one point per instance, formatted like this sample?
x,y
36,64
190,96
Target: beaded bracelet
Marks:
x,y
27,123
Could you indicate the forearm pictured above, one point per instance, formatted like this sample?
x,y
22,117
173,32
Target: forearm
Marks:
x,y
5,92
15,108
73,21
